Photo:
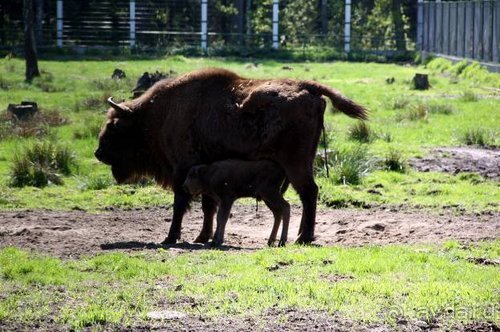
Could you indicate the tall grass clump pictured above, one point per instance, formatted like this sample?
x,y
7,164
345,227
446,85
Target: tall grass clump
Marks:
x,y
399,103
475,136
417,112
439,108
394,161
361,132
326,139
459,67
439,65
96,182
469,96
349,165
90,129
40,164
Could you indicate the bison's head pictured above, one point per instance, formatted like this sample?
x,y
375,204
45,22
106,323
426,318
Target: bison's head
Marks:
x,y
194,180
121,143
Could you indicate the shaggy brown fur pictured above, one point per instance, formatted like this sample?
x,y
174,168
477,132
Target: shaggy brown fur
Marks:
x,y
227,180
214,114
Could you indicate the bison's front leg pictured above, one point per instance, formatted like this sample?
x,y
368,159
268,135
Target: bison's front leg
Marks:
x,y
209,207
181,205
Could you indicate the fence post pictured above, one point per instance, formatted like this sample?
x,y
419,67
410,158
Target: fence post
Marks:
x,y
275,23
132,23
347,27
59,23
204,29
420,24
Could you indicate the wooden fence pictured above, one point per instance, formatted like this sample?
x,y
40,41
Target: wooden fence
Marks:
x,y
465,29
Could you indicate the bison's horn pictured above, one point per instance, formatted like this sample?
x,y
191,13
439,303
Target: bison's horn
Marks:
x,y
124,110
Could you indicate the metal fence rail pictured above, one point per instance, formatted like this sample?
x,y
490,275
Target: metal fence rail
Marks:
x,y
196,24
466,29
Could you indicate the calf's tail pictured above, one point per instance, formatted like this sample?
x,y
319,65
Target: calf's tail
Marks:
x,y
343,104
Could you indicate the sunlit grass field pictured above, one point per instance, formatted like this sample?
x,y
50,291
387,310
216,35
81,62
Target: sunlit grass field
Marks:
x,y
77,91
371,284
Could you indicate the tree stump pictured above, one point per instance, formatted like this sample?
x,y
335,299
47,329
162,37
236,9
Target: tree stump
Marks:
x,y
118,74
23,112
421,82
147,80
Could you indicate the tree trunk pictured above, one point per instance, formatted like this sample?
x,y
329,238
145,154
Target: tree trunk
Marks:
x,y
239,20
323,17
397,19
248,17
39,21
29,42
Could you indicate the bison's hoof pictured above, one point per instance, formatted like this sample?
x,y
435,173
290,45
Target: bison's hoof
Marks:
x,y
169,240
302,239
281,243
202,238
215,243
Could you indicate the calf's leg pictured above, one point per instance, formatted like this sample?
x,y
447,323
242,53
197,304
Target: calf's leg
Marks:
x,y
281,210
222,217
209,207
286,221
277,221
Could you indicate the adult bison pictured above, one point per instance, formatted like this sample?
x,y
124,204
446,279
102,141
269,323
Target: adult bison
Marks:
x,y
214,114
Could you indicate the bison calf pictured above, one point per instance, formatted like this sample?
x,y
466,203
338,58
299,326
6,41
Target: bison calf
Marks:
x,y
225,181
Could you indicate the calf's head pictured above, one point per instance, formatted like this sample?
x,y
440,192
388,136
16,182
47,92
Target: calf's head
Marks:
x,y
121,143
194,180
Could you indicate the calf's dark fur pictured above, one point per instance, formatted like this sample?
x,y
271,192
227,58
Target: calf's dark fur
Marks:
x,y
225,181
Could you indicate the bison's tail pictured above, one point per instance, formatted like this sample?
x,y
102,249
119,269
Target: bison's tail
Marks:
x,y
343,104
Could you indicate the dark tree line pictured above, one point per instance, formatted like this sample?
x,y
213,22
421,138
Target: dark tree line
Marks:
x,y
375,23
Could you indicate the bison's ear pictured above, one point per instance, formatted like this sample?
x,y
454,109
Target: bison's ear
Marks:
x,y
122,110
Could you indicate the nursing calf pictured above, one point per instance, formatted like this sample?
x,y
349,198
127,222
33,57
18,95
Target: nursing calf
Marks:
x,y
225,181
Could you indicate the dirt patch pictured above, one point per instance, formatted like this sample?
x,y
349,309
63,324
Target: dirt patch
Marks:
x,y
454,160
270,320
70,234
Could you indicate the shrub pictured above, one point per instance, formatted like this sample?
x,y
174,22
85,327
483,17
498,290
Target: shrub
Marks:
x,y
394,161
361,132
40,164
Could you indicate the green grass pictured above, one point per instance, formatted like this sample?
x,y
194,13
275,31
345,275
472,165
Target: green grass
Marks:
x,y
373,284
407,121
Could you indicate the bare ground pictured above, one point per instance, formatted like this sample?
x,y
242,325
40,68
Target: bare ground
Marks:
x,y
70,234
454,160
